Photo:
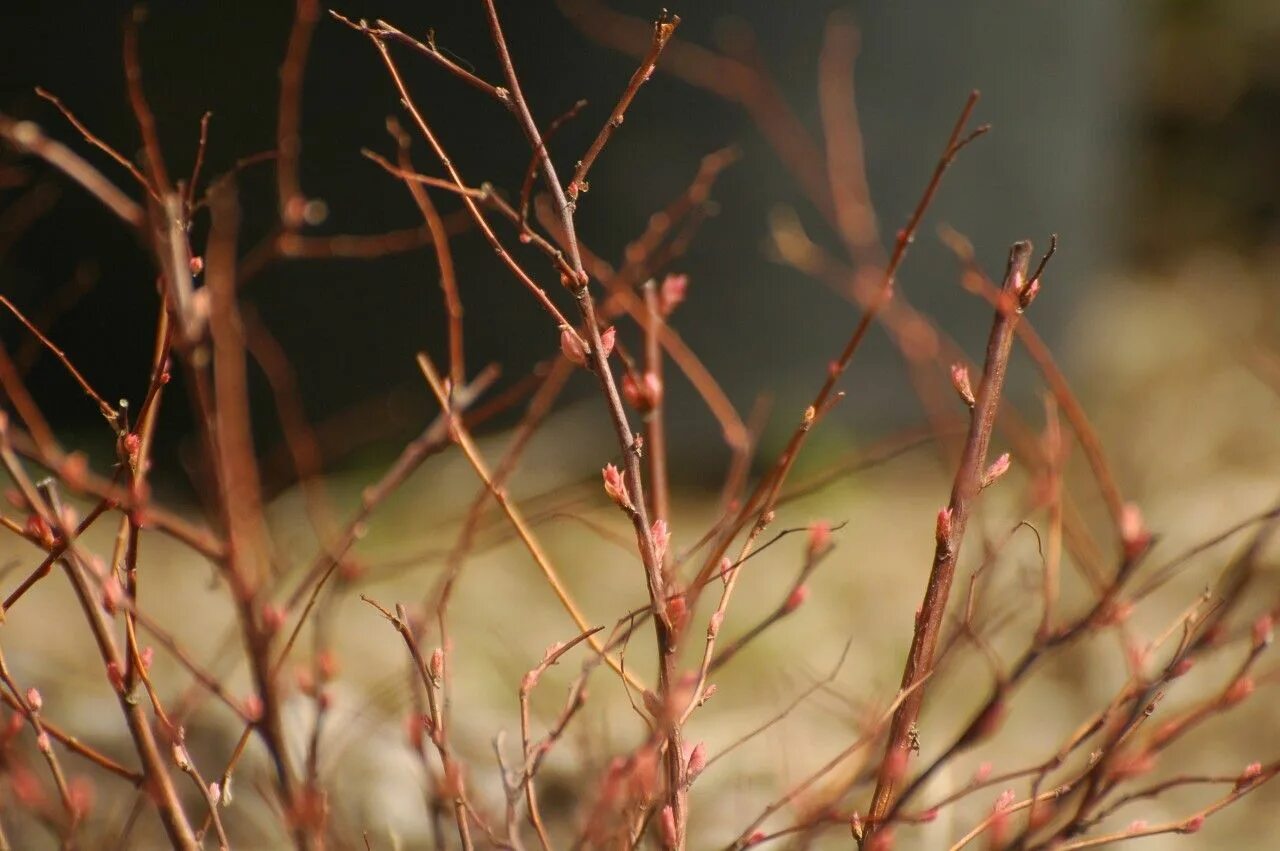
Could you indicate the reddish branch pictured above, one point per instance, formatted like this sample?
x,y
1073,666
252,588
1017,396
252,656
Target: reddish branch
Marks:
x,y
950,534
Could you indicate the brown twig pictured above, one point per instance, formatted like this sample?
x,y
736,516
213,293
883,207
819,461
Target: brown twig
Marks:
x,y
950,534
663,29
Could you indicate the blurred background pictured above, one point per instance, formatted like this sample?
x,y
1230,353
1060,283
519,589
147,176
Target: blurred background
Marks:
x,y
1145,135
1141,134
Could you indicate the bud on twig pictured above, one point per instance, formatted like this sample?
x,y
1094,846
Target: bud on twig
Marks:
x,y
796,598
942,533
998,468
643,395
436,666
1134,537
572,347
819,539
615,485
672,293
607,338
960,380
661,540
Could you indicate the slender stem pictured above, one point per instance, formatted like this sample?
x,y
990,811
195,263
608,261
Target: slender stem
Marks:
x,y
964,492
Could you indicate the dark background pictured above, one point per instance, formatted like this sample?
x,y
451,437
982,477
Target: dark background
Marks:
x,y
1089,132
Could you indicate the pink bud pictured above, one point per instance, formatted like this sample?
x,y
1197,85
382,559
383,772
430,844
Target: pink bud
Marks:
x,y
253,707
615,485
672,293
1134,537
1005,800
997,469
796,598
708,692
273,617
1186,663
819,538
643,395
1137,826
943,531
697,761
1251,772
132,445
112,594
607,338
115,676
1238,691
34,700
677,613
145,656
1263,631
661,540
1192,825
43,743
960,380
668,827
215,793
436,666
754,839
572,347
726,569
713,625
982,772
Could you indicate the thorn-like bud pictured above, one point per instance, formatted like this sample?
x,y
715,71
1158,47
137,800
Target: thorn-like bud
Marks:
x,y
115,676
572,346
696,762
943,531
998,468
661,539
819,538
615,485
112,594
436,666
1263,631
960,380
608,337
1134,536
132,444
668,821
643,395
1238,691
1251,772
672,293
1192,825
796,598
